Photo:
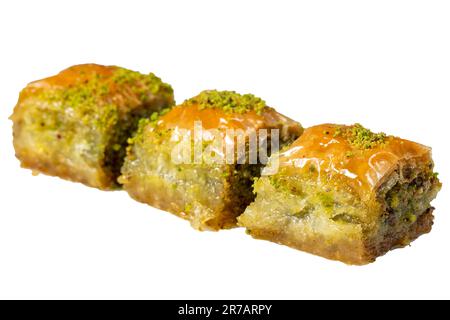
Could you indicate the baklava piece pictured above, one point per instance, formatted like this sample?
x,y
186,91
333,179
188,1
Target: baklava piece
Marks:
x,y
172,166
75,125
345,193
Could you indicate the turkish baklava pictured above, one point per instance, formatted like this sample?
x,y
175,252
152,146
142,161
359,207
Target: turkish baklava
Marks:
x,y
76,124
173,167
345,193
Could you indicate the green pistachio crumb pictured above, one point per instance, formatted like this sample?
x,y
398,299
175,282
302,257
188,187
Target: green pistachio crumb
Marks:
x,y
326,199
154,116
360,137
338,132
142,84
366,139
86,98
395,202
410,217
139,132
275,182
144,122
229,101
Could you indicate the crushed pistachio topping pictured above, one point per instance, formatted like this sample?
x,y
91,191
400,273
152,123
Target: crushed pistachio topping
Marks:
x,y
326,199
144,122
89,93
156,115
229,101
338,132
90,98
140,131
361,137
395,201
410,217
142,83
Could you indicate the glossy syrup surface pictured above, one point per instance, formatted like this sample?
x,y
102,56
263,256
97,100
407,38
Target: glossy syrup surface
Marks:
x,y
323,150
74,75
184,117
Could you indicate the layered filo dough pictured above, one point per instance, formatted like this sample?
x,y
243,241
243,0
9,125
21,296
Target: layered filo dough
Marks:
x,y
209,191
345,193
341,192
75,124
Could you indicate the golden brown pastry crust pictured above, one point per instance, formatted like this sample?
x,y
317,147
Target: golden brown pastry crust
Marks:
x,y
111,100
184,117
333,155
339,195
211,209
350,251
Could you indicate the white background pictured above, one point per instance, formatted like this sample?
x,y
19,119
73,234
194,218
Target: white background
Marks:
x,y
385,64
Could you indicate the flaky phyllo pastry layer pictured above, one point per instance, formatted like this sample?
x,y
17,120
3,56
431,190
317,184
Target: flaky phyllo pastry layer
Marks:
x,y
345,193
341,192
